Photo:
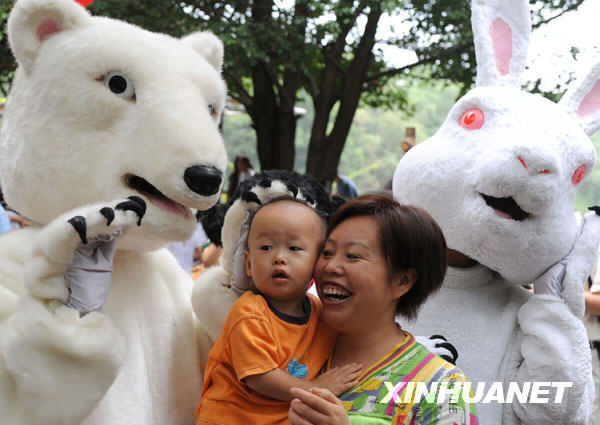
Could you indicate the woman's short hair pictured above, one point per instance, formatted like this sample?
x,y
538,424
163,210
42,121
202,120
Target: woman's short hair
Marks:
x,y
409,238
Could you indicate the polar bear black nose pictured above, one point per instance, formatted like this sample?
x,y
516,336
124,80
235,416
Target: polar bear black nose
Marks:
x,y
202,179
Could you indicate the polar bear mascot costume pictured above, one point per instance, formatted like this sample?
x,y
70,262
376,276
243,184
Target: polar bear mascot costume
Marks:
x,y
110,138
500,178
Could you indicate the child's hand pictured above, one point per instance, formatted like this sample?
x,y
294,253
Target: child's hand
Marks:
x,y
339,379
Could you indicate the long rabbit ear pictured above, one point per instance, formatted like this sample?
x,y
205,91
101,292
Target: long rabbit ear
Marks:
x,y
501,31
582,99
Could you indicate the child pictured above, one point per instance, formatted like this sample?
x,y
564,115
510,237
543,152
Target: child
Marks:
x,y
273,339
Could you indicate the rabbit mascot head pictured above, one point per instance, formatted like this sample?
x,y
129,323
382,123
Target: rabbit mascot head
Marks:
x,y
501,173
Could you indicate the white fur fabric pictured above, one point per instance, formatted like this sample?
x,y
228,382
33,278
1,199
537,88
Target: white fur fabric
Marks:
x,y
501,146
68,146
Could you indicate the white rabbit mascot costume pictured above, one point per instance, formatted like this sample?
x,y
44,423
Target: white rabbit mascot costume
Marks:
x,y
500,177
110,135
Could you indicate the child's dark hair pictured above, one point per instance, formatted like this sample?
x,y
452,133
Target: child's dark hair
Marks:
x,y
409,239
297,201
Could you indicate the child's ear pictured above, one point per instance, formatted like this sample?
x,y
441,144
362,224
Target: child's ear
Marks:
x,y
402,283
247,262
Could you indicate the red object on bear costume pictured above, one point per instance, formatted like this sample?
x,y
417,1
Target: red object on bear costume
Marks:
x,y
85,3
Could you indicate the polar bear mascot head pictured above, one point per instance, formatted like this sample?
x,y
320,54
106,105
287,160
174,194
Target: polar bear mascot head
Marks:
x,y
100,110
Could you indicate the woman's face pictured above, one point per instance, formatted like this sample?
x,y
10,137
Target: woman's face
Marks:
x,y
352,278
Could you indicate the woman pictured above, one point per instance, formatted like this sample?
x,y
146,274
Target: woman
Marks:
x,y
381,260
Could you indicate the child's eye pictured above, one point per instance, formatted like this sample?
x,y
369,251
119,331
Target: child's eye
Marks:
x,y
266,247
326,253
295,248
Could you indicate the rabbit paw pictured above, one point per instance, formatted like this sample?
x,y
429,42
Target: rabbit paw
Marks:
x,y
580,262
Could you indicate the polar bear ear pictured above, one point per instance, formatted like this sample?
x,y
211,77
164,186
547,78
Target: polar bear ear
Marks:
x,y
208,45
501,31
582,100
32,22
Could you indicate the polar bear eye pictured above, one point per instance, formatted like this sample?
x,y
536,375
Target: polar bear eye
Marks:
x,y
119,85
212,110
473,119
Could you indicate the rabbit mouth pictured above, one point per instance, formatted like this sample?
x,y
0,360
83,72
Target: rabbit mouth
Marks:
x,y
505,207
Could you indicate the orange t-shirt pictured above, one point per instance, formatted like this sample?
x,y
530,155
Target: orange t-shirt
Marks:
x,y
257,339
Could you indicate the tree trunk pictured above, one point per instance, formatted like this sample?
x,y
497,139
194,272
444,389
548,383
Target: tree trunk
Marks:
x,y
325,150
275,126
272,107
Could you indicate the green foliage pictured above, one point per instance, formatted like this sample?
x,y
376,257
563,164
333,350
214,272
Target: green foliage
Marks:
x,y
7,63
589,192
277,50
372,149
441,35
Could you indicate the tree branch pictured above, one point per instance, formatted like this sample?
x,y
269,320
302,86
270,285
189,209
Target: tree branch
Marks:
x,y
243,97
395,71
574,6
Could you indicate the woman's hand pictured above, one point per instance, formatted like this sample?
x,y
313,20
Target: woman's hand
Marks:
x,y
317,407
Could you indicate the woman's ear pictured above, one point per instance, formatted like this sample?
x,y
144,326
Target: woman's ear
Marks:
x,y
247,262
403,282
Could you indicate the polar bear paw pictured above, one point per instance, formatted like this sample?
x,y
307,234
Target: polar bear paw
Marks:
x,y
78,246
107,220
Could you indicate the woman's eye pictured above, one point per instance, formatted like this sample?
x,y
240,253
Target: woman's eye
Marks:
x,y
266,247
353,256
120,85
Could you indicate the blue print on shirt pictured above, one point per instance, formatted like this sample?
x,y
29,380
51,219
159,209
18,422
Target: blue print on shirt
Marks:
x,y
296,369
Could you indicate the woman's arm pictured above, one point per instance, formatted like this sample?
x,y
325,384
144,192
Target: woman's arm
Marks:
x,y
592,303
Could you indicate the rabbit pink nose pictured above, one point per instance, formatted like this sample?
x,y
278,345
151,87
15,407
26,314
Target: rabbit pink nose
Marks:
x,y
522,161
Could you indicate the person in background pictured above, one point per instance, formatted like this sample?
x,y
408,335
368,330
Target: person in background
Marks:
x,y
4,221
242,170
190,251
346,188
410,139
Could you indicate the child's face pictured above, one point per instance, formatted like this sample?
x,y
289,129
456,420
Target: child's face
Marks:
x,y
283,245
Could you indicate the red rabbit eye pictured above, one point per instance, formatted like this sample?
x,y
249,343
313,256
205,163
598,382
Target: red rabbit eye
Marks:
x,y
578,174
473,119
